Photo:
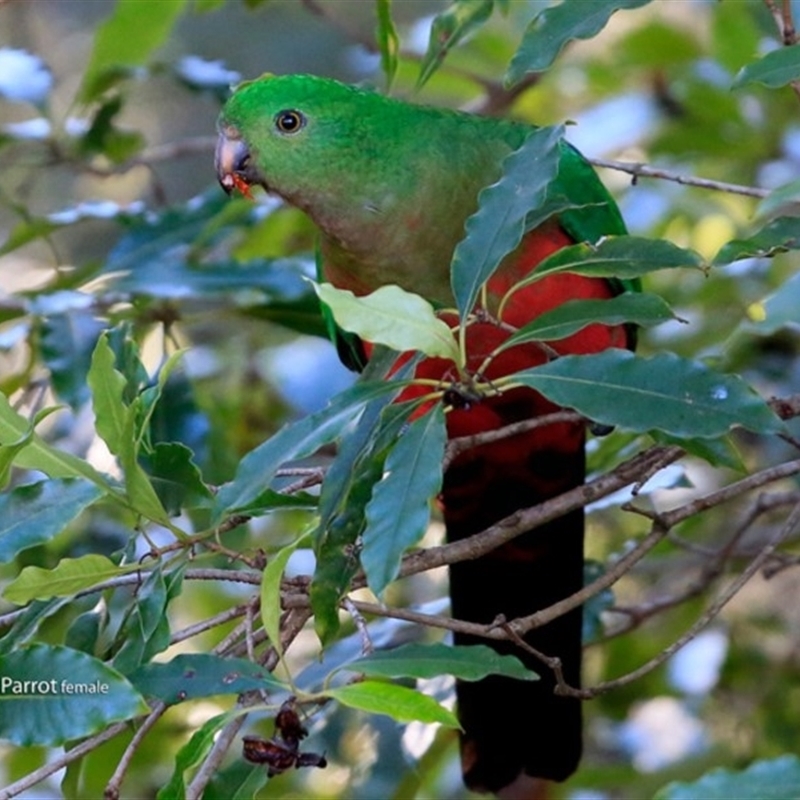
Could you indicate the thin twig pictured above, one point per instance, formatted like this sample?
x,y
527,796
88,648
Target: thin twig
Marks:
x,y
783,20
169,151
789,33
498,98
226,736
551,662
522,624
604,581
115,782
134,578
208,624
312,478
643,171
249,618
361,626
222,743
528,519
711,613
79,751
713,562
661,526
785,24
732,490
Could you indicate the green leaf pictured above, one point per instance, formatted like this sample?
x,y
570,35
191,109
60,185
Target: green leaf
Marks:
x,y
720,452
128,362
498,225
28,231
72,575
118,426
237,781
271,592
667,393
776,779
397,702
336,549
34,514
192,753
176,478
27,623
84,631
193,675
466,662
635,308
158,257
388,40
294,441
780,309
104,137
337,564
146,630
398,514
176,417
40,455
786,196
127,38
108,386
392,317
270,500
345,493
142,497
775,69
556,25
10,451
778,236
66,343
382,367
623,257
51,694
450,27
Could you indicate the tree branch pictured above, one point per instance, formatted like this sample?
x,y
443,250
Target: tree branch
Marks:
x,y
643,171
226,737
785,25
79,751
115,782
713,611
628,473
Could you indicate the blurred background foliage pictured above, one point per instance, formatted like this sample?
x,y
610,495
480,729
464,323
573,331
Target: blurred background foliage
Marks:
x,y
110,218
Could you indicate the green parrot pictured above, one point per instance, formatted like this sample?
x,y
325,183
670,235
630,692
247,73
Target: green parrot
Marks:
x,y
390,184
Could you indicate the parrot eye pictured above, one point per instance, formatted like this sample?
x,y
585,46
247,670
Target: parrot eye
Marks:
x,y
289,121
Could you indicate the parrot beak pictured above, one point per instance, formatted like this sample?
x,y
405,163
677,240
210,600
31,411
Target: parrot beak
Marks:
x,y
233,163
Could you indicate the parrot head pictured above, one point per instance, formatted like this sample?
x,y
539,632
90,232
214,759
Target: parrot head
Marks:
x,y
280,132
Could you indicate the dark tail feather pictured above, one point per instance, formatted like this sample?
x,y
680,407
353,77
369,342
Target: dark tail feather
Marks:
x,y
511,727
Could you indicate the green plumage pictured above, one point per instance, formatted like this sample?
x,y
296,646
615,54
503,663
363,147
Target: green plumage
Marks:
x,y
389,183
